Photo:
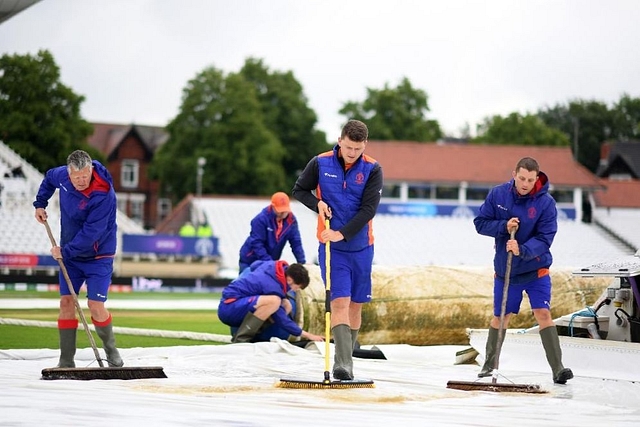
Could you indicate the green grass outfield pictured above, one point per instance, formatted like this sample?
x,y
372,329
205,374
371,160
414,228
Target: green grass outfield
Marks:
x,y
117,295
32,337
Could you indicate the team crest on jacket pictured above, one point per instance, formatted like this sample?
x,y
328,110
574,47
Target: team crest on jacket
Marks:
x,y
532,212
360,178
82,205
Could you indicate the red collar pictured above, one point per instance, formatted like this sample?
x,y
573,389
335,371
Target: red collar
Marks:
x,y
96,184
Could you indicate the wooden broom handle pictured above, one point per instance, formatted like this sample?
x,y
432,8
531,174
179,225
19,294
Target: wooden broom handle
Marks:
x,y
75,297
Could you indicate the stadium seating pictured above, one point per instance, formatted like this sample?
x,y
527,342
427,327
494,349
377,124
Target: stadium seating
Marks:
x,y
20,232
410,240
400,240
623,222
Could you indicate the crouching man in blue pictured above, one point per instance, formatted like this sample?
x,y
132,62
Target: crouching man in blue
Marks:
x,y
260,296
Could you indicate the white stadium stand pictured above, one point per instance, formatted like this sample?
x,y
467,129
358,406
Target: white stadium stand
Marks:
x,y
20,233
624,222
230,220
410,240
400,240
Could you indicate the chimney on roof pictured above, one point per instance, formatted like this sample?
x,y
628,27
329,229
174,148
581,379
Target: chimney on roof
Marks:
x,y
605,151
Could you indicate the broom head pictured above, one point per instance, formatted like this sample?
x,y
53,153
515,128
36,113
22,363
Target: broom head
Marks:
x,y
496,387
298,384
103,373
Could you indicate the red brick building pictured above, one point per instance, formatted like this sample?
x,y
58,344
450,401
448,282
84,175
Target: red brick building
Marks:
x,y
129,150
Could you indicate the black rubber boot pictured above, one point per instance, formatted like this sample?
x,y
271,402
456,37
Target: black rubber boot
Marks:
x,y
551,344
67,348
490,353
109,344
343,360
248,329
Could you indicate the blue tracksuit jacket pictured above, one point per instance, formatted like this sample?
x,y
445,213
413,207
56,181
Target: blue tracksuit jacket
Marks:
x,y
88,218
265,244
538,226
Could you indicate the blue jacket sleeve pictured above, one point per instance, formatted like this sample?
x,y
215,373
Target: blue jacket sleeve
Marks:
x,y
46,190
258,237
488,221
280,318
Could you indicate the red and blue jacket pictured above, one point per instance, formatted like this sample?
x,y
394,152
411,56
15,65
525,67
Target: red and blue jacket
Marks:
x,y
265,278
353,195
266,242
87,218
538,226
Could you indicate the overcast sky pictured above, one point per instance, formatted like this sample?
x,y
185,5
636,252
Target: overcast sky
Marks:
x,y
131,59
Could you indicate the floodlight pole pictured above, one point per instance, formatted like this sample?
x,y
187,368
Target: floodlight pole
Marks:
x,y
201,162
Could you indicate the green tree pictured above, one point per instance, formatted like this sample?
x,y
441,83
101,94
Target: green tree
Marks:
x,y
519,129
395,114
587,123
287,115
626,118
221,120
39,116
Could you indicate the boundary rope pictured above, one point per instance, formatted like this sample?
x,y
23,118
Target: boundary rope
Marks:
x,y
161,333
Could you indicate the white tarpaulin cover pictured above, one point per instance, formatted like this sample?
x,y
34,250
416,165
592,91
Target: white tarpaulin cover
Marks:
x,y
235,385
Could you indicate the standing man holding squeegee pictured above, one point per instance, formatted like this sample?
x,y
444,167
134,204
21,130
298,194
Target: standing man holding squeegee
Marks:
x,y
87,246
523,203
345,186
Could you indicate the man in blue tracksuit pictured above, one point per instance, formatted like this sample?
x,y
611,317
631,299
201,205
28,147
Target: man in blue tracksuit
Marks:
x,y
524,204
260,295
271,229
345,186
87,246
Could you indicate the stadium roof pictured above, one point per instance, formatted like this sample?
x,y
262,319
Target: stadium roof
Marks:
x,y
9,8
475,164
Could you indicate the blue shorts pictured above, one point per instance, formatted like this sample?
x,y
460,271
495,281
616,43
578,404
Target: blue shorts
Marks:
x,y
233,313
350,273
538,290
96,273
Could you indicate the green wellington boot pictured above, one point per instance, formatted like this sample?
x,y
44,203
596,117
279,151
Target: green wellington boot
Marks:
x,y
109,344
551,344
67,348
343,360
490,353
354,338
248,329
